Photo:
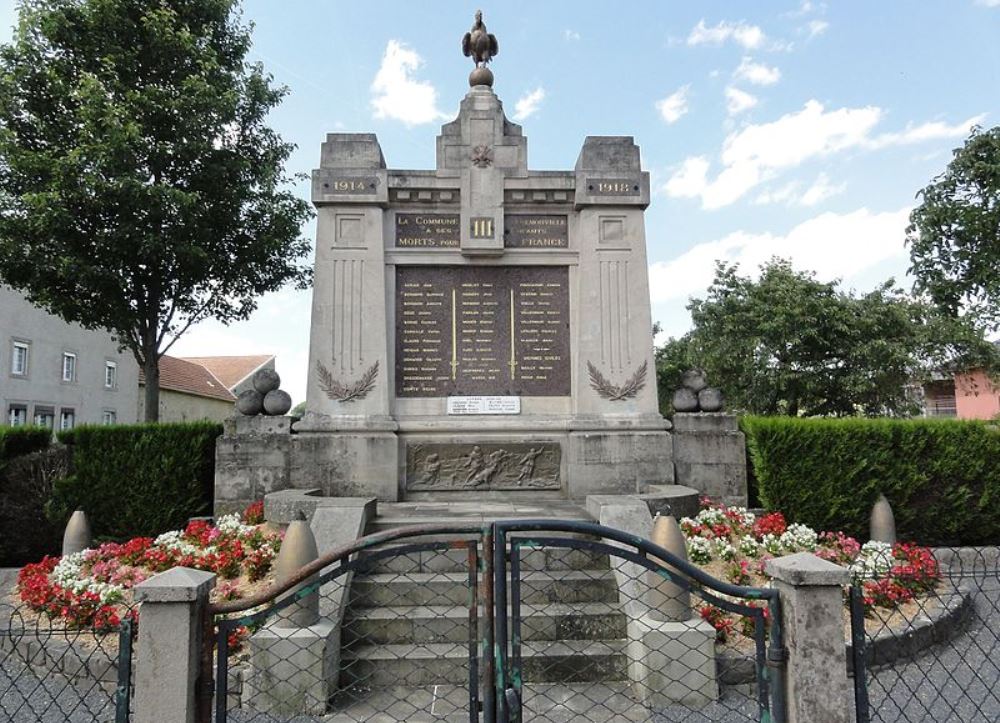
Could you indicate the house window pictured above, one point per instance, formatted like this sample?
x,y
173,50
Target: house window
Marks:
x,y
69,367
110,375
67,418
19,359
18,415
109,417
45,417
939,399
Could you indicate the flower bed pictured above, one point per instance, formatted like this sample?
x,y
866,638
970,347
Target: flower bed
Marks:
x,y
733,544
92,590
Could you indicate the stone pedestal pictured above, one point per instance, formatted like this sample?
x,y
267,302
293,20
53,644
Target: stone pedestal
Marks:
x,y
292,671
672,662
710,456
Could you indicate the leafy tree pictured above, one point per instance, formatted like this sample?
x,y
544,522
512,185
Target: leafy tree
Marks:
x,y
954,234
672,359
789,344
141,190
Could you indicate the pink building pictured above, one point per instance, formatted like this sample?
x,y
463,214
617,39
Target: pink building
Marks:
x,y
969,395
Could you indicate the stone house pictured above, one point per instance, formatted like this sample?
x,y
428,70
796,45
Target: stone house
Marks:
x,y
58,374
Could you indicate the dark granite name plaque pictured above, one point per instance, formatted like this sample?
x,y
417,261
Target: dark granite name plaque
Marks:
x,y
428,230
504,466
613,186
524,231
474,330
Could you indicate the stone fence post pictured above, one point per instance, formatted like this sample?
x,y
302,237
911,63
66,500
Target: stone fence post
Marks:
x,y
169,649
812,618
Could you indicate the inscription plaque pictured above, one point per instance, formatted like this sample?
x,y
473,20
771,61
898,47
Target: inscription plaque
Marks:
x,y
536,231
506,466
484,405
428,230
350,184
477,331
613,186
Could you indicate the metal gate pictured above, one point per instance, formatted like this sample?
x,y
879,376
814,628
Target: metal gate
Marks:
x,y
525,620
939,662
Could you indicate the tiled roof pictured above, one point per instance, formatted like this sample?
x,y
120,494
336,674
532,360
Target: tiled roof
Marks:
x,y
231,370
181,375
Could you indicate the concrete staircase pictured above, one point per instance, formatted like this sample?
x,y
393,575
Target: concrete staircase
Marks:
x,y
407,623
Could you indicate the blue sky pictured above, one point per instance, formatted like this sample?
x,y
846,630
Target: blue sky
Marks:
x,y
801,129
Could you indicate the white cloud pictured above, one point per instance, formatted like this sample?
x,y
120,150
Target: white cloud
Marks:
x,y
833,245
674,106
738,100
689,180
757,73
570,35
757,152
821,190
791,194
749,36
397,95
930,131
528,103
818,27
989,3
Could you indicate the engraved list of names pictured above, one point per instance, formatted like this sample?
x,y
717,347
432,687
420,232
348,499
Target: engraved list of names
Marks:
x,y
464,330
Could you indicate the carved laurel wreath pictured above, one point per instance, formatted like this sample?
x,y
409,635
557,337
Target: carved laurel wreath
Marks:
x,y
610,391
346,392
482,156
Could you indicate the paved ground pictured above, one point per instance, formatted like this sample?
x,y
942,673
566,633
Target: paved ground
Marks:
x,y
26,697
957,681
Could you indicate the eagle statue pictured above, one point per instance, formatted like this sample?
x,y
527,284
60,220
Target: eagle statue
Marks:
x,y
478,43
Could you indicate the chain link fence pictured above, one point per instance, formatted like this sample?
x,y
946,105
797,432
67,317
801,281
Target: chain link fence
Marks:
x,y
433,629
51,672
938,658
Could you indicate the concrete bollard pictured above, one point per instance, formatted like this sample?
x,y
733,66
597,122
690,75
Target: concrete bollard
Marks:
x,y
297,549
882,523
77,536
668,601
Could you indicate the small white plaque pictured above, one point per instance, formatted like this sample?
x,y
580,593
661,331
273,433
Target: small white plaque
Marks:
x,y
484,405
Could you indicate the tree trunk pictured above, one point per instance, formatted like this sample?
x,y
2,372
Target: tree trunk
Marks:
x,y
151,369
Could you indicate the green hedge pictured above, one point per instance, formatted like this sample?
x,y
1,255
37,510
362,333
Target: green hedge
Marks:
x,y
140,479
942,477
18,441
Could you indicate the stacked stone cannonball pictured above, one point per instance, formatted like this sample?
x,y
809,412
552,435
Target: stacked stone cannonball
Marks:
x,y
695,395
265,397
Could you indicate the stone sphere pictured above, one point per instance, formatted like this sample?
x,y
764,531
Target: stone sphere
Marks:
x,y
685,400
250,402
710,400
481,76
694,379
277,402
266,380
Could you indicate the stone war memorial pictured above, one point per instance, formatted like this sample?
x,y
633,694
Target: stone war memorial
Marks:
x,y
479,330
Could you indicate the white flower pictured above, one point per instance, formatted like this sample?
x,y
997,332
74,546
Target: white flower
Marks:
x,y
699,550
172,541
875,560
712,516
724,550
798,538
233,524
749,547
